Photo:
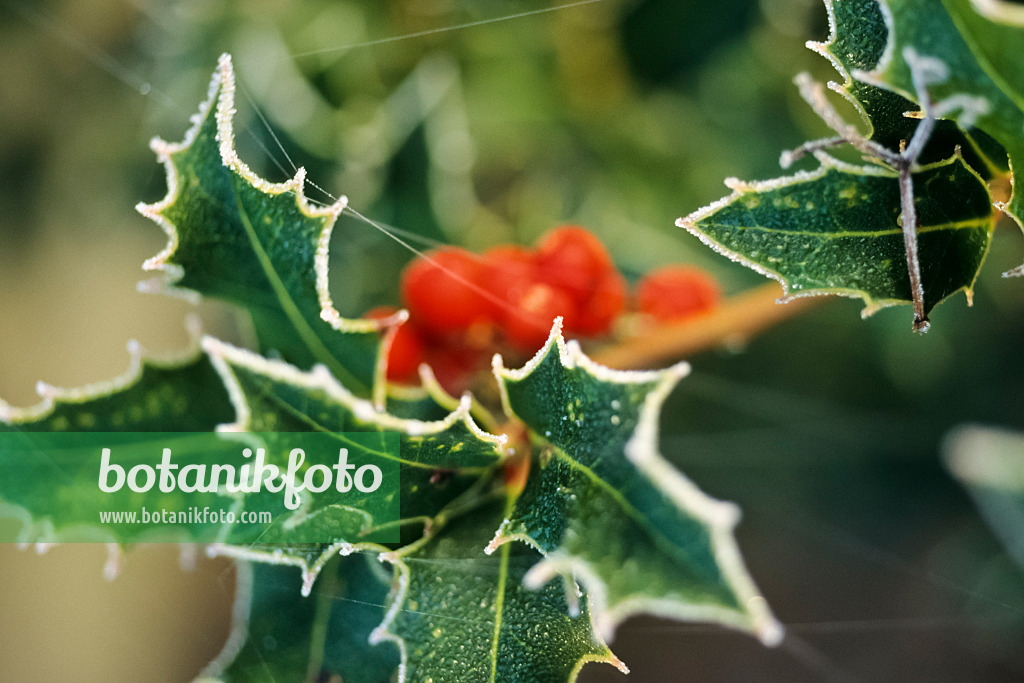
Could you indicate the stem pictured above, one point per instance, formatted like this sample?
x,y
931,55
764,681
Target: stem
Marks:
x,y
909,225
788,158
907,159
738,318
923,71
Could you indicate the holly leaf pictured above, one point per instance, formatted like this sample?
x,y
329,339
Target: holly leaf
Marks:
x,y
179,393
459,614
440,461
989,463
971,62
856,42
836,231
176,394
605,508
263,246
278,637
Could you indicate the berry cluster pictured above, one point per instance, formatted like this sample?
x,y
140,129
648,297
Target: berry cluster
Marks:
x,y
462,306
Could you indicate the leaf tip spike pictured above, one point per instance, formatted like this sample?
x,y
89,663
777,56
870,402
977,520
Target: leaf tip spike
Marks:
x,y
618,664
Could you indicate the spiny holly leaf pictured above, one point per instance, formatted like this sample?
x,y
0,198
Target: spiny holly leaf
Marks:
x,y
972,61
278,637
461,615
856,42
181,393
989,462
607,510
440,460
261,245
170,395
836,231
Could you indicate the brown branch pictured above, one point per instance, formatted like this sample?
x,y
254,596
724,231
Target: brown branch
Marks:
x,y
736,319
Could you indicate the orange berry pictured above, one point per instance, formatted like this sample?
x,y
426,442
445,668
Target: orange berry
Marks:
x,y
455,365
443,292
600,312
509,271
676,292
528,323
573,259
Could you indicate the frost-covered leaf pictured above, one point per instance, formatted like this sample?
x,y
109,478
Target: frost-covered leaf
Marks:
x,y
280,637
972,63
462,615
856,42
263,246
836,230
180,394
604,507
440,460
989,462
183,394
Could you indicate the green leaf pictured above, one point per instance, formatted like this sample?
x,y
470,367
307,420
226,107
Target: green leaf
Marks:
x,y
175,394
278,637
989,462
605,508
994,31
856,42
234,236
836,231
462,615
440,460
973,61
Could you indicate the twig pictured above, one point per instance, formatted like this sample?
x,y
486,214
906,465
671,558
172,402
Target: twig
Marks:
x,y
738,318
923,70
908,218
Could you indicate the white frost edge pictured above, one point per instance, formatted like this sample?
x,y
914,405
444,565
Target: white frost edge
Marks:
x,y
239,632
220,99
42,534
138,356
642,451
1002,207
319,378
400,586
1001,12
277,556
823,48
739,188
826,162
397,598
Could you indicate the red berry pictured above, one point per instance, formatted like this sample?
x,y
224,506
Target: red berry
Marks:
x,y
455,365
510,271
573,259
443,292
407,347
599,313
676,292
528,323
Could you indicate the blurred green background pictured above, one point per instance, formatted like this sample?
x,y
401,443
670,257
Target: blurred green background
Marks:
x,y
620,115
